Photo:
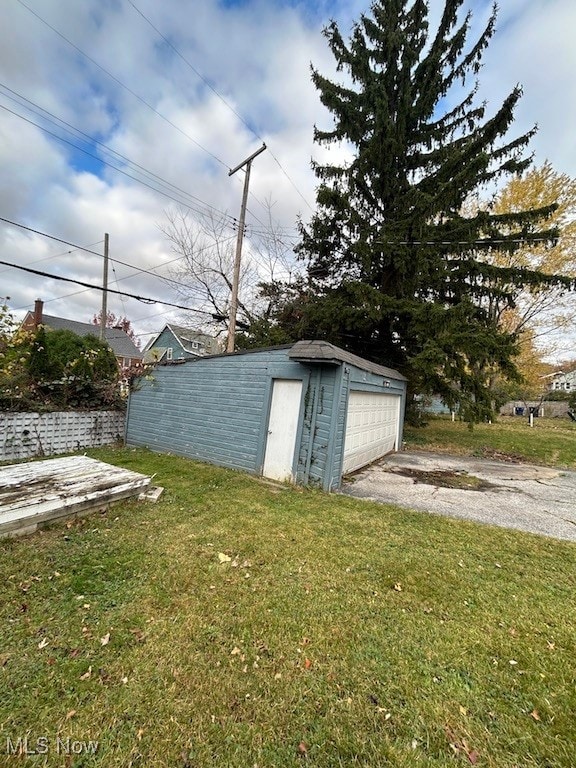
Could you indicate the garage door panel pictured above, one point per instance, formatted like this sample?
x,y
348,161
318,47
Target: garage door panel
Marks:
x,y
371,428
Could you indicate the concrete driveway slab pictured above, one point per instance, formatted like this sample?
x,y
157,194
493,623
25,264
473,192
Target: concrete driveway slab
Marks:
x,y
525,497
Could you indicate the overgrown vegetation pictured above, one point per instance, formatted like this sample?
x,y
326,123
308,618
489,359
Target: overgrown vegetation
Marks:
x,y
240,623
50,370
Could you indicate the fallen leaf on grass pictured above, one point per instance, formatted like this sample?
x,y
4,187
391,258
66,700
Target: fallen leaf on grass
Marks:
x,y
106,639
235,651
397,587
138,634
307,663
87,675
70,714
43,643
302,749
223,558
535,714
4,659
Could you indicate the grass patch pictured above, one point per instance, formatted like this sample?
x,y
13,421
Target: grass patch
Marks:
x,y
338,632
551,442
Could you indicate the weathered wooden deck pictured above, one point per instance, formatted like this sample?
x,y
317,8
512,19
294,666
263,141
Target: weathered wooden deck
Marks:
x,y
39,492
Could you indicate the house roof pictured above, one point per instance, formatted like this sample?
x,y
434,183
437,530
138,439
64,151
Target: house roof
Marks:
x,y
185,336
118,340
323,351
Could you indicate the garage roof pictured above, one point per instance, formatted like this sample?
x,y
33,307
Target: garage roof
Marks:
x,y
323,351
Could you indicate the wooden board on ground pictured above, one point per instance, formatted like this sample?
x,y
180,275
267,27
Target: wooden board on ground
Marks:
x,y
39,492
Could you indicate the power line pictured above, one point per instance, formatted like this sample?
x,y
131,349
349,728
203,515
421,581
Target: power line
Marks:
x,y
53,256
119,170
219,95
50,237
139,270
121,84
143,299
54,119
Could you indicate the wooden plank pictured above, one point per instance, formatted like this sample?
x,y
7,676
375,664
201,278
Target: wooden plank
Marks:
x,y
39,492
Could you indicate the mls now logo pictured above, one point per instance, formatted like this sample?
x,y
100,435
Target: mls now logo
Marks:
x,y
42,746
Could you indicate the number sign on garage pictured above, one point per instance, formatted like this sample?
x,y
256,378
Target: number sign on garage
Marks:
x,y
372,428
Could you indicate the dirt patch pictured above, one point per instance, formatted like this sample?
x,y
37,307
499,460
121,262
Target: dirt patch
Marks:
x,y
510,458
445,478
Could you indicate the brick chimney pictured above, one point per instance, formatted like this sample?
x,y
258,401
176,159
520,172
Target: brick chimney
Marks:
x,y
38,307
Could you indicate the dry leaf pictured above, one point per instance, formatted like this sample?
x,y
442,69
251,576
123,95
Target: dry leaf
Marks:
x,y
87,675
4,659
70,714
535,714
43,643
106,639
140,734
398,587
235,651
463,710
223,558
307,663
302,749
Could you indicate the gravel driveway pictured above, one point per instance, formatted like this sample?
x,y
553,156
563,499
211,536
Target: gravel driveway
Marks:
x,y
523,496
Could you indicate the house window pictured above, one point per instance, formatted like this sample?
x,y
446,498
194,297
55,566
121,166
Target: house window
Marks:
x,y
169,353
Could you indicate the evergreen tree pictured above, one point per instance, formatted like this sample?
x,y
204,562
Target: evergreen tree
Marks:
x,y
397,271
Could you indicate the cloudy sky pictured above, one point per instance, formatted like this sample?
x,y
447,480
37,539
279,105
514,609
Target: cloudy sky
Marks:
x,y
174,94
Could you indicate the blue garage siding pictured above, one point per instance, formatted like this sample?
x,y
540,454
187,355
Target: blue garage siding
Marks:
x,y
212,409
216,409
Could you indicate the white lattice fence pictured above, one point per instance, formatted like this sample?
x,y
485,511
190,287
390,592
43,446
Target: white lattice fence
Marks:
x,y
23,435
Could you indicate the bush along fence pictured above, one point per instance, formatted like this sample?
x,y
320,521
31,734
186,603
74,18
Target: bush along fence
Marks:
x,y
25,435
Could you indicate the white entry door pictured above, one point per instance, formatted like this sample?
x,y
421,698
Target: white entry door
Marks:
x,y
372,427
282,429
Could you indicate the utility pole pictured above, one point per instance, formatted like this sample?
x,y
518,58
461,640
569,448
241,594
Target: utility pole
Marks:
x,y
104,288
236,275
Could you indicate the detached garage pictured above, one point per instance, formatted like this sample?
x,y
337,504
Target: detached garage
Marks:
x,y
307,413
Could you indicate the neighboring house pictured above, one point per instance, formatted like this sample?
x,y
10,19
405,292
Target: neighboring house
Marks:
x,y
126,352
560,381
308,412
175,343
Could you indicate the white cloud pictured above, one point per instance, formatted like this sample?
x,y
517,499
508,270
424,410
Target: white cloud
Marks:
x,y
257,54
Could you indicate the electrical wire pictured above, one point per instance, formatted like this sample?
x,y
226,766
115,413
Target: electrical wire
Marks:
x,y
18,98
119,170
143,299
219,95
52,256
121,84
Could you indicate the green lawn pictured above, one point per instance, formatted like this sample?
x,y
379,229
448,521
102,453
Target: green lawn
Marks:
x,y
549,441
339,633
